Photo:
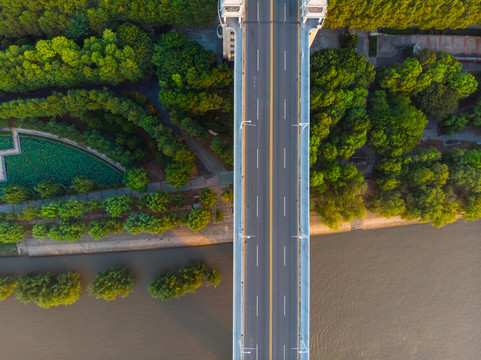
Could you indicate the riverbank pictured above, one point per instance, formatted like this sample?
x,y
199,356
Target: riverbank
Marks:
x,y
182,237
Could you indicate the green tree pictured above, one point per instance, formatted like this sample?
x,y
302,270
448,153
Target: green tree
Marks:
x,y
68,229
99,229
208,198
40,231
29,213
11,232
82,185
396,125
228,195
79,27
118,205
71,208
158,201
111,284
50,211
213,277
437,101
48,189
15,194
219,216
172,285
48,289
7,286
198,219
136,179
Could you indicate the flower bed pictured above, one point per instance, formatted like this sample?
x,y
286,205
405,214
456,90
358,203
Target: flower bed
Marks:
x,y
42,160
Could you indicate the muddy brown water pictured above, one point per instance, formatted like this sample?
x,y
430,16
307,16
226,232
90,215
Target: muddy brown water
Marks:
x,y
393,294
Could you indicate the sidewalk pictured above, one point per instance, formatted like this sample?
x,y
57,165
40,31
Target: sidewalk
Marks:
x,y
182,237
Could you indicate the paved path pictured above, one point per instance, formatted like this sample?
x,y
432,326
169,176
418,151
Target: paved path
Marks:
x,y
431,133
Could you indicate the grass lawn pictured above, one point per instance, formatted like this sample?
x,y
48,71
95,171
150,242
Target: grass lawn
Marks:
x,y
42,160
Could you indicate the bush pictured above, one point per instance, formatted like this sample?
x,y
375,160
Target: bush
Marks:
x,y
208,198
15,194
198,219
349,41
172,285
71,208
99,229
48,289
112,283
118,205
28,213
213,277
95,205
7,286
50,211
47,189
82,185
158,201
68,229
219,216
228,195
136,179
40,231
372,45
180,199
11,232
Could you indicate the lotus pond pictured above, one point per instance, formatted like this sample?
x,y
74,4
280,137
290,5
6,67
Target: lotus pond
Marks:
x,y
43,160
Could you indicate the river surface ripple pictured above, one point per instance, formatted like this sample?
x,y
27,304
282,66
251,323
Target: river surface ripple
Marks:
x,y
402,293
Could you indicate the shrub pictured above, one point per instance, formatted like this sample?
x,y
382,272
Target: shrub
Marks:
x,y
29,212
180,199
349,41
15,194
172,285
213,277
208,198
48,289
50,211
68,229
82,185
136,179
139,223
40,231
112,283
7,286
101,228
71,208
118,205
228,195
372,45
47,189
158,201
95,205
11,232
219,216
198,219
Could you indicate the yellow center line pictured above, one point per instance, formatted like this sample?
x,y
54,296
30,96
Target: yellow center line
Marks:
x,y
271,137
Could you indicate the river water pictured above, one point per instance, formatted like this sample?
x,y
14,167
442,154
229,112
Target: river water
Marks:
x,y
403,293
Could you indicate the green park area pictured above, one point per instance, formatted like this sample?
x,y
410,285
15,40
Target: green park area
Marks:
x,y
43,160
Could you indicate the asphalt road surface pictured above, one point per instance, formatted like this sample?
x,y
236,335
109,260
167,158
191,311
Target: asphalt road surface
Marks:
x,y
271,57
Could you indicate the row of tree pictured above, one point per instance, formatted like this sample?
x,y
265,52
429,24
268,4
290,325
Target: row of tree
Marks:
x,y
55,17
60,62
372,14
181,161
49,289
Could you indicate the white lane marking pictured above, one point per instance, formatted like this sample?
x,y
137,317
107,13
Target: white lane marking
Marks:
x,y
284,305
258,11
284,351
285,60
284,255
257,352
257,205
257,157
285,12
257,108
284,158
284,206
257,255
285,107
257,59
257,305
